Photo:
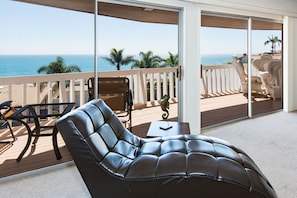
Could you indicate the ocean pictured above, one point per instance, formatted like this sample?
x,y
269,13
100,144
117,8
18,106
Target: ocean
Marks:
x,y
26,65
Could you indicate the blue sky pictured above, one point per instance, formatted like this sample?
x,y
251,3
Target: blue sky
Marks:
x,y
33,29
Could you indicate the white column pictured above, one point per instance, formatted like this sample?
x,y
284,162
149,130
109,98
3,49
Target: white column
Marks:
x,y
189,49
290,63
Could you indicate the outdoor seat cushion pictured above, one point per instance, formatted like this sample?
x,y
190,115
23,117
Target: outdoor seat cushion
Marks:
x,y
116,163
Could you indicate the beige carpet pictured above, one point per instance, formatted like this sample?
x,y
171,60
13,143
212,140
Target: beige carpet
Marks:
x,y
270,140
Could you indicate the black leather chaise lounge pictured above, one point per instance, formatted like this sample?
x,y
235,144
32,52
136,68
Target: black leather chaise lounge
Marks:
x,y
113,162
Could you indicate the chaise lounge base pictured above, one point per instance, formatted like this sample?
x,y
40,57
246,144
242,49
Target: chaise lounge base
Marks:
x,y
116,163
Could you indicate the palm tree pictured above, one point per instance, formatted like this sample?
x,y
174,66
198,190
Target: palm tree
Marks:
x,y
171,61
54,67
116,58
273,40
148,60
58,66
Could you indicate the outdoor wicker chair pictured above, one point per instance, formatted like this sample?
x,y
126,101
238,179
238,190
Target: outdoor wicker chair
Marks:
x,y
256,83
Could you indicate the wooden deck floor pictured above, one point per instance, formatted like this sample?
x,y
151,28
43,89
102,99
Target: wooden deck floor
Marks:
x,y
213,110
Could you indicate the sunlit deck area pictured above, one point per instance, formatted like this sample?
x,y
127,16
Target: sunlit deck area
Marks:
x,y
213,109
42,155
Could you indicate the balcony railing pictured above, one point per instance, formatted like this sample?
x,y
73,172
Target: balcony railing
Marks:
x,y
221,79
148,85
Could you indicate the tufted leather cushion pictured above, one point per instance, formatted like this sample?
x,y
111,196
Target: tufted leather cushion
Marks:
x,y
115,163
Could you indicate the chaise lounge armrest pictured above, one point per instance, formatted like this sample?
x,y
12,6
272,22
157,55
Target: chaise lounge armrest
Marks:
x,y
113,162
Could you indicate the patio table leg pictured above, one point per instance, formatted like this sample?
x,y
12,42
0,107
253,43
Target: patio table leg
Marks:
x,y
55,143
37,132
27,144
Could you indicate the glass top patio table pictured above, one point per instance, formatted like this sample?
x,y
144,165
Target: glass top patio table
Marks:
x,y
35,113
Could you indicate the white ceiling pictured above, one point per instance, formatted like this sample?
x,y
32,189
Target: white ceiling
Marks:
x,y
154,16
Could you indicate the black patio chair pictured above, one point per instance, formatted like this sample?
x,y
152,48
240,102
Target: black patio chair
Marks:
x,y
115,91
5,111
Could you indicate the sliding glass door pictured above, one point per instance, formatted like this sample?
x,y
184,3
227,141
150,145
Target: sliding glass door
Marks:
x,y
233,87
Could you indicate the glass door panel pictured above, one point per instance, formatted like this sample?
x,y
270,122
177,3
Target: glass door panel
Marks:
x,y
135,38
266,42
223,69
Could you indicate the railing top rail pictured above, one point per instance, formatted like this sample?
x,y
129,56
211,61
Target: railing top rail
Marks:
x,y
208,67
77,75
